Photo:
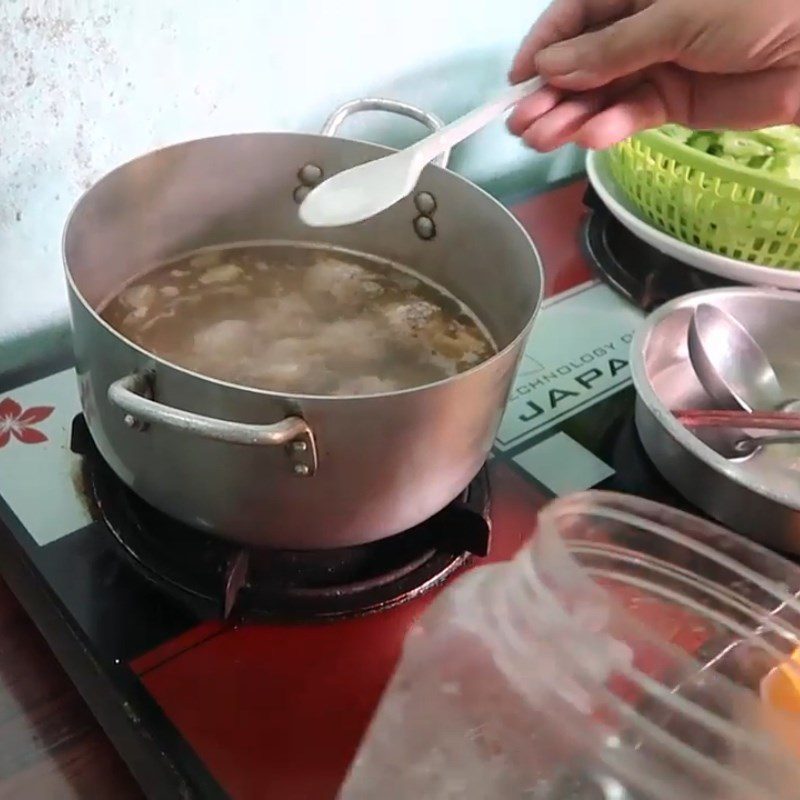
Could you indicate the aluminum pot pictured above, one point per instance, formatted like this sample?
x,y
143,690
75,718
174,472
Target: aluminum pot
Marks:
x,y
283,470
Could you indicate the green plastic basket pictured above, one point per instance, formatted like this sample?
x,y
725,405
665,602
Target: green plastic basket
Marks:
x,y
713,204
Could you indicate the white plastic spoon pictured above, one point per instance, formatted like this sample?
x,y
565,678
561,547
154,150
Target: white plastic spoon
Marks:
x,y
363,191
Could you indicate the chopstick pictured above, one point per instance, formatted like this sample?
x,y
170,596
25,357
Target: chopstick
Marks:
x,y
758,420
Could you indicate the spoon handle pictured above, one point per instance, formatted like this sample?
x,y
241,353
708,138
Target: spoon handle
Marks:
x,y
750,444
458,130
758,420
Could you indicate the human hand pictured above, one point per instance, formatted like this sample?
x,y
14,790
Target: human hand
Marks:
x,y
615,67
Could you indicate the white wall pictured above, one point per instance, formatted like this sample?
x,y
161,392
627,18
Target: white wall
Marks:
x,y
87,84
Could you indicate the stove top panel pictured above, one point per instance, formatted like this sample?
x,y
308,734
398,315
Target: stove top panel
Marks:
x,y
201,706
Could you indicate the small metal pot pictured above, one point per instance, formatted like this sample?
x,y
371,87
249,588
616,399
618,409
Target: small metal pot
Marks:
x,y
758,496
275,469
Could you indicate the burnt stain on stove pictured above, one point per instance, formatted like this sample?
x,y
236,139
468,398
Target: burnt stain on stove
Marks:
x,y
80,481
79,445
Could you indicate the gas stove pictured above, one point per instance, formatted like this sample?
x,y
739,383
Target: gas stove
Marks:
x,y
219,671
219,578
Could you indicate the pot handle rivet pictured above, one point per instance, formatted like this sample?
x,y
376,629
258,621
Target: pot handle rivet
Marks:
x,y
425,228
134,395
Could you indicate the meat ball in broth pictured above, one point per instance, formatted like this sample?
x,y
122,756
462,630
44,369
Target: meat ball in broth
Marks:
x,y
293,364
289,315
226,339
348,286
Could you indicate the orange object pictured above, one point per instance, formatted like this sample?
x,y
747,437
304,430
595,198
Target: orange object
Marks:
x,y
780,687
780,692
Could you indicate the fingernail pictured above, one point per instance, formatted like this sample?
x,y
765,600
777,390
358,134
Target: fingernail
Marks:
x,y
577,79
557,59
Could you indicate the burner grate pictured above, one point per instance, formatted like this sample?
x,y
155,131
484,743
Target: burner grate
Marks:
x,y
639,272
226,579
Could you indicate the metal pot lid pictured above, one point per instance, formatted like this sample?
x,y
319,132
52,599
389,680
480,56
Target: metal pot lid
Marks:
x,y
666,382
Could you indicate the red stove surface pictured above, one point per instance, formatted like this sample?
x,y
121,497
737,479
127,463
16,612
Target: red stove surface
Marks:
x,y
279,710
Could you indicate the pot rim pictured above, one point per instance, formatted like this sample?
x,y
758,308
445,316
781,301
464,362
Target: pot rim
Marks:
x,y
267,393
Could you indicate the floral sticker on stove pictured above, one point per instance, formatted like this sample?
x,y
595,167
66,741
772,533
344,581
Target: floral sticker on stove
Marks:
x,y
20,423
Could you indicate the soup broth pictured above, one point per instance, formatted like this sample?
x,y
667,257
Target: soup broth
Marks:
x,y
299,319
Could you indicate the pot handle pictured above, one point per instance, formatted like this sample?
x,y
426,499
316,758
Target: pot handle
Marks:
x,y
133,394
431,121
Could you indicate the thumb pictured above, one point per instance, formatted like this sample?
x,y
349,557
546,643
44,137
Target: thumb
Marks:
x,y
625,47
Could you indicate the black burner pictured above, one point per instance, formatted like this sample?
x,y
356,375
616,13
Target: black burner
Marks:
x,y
633,268
634,472
221,576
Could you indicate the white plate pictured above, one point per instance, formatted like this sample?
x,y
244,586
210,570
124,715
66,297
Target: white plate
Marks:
x,y
621,207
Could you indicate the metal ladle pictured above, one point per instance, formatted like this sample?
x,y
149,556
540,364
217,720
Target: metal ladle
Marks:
x,y
735,371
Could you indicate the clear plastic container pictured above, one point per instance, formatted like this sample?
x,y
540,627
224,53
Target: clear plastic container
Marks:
x,y
619,656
